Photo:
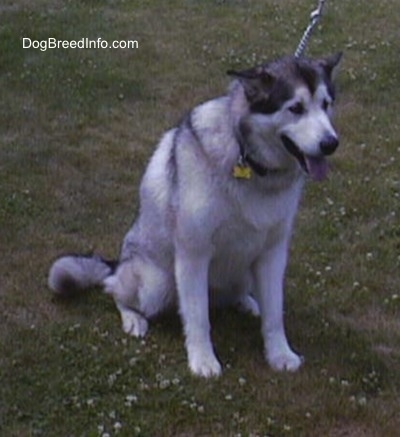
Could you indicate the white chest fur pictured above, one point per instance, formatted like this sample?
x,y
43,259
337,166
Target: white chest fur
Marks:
x,y
250,223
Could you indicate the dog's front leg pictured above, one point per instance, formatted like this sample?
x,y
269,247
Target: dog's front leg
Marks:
x,y
269,274
191,273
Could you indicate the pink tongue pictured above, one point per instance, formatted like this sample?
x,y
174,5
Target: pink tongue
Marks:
x,y
317,167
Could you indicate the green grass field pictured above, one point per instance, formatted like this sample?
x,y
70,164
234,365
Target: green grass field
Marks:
x,y
77,127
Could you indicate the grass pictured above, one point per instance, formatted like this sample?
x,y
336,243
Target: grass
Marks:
x,y
78,127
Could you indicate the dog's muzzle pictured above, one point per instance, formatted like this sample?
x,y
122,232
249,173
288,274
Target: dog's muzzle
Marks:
x,y
314,165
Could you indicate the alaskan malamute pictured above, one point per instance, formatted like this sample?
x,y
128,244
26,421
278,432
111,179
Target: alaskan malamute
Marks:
x,y
217,205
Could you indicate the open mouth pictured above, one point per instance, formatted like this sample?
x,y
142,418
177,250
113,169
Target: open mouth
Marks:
x,y
315,166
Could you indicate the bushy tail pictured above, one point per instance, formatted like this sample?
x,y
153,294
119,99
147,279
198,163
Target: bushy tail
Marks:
x,y
73,273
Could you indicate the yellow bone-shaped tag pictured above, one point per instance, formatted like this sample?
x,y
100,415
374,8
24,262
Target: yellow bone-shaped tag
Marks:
x,y
241,171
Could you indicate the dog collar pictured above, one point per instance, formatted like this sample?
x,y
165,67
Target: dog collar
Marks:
x,y
246,165
258,168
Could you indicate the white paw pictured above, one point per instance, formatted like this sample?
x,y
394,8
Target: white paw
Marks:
x,y
133,323
204,365
110,284
286,361
248,304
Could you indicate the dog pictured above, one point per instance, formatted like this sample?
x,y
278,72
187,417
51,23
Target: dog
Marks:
x,y
217,205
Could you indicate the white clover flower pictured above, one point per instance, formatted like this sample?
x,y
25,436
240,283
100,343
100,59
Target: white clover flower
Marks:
x,y
133,361
164,384
362,401
117,426
131,399
176,381
90,402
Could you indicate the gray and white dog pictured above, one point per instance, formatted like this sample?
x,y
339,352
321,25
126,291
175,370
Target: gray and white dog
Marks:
x,y
217,206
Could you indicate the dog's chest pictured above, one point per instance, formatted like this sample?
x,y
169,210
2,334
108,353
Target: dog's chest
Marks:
x,y
252,222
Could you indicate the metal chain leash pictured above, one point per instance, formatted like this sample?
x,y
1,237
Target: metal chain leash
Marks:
x,y
314,18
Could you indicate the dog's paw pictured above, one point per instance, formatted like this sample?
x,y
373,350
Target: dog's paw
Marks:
x,y
286,361
205,365
133,323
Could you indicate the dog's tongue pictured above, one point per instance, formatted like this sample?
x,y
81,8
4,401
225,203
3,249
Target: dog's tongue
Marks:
x,y
317,167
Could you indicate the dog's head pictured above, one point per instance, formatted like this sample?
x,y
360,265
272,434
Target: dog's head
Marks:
x,y
291,100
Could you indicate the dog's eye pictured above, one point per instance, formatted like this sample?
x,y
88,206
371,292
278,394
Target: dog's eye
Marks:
x,y
298,108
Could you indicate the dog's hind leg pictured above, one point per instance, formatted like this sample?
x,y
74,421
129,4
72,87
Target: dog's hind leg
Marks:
x,y
140,291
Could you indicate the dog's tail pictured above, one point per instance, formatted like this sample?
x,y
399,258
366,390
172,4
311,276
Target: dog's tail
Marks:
x,y
71,274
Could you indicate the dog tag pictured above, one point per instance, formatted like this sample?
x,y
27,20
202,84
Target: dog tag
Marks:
x,y
241,172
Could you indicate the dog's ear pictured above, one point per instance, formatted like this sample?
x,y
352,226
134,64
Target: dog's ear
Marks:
x,y
331,64
256,81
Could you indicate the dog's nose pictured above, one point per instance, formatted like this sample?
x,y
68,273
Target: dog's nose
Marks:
x,y
329,144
